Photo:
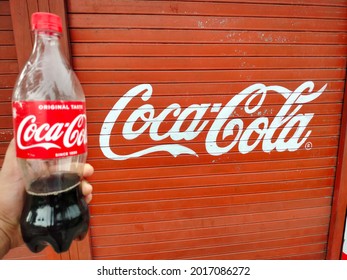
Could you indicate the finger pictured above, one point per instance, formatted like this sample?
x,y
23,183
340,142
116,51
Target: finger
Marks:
x,y
9,161
88,198
11,148
88,170
86,188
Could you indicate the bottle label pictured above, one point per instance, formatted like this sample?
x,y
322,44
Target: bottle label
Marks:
x,y
49,129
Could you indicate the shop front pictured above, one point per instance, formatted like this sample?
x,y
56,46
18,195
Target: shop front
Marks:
x,y
217,129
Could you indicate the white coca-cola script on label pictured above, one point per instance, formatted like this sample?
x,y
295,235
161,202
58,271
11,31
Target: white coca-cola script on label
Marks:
x,y
49,129
287,119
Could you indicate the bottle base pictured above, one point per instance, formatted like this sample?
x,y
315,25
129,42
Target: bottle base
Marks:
x,y
55,219
36,245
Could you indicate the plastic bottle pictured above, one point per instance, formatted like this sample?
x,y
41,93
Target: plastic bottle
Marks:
x,y
49,117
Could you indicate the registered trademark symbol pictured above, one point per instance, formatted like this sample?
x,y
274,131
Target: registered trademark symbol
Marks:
x,y
308,146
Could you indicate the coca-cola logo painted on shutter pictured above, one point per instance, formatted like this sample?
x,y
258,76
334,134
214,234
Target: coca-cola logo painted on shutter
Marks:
x,y
287,131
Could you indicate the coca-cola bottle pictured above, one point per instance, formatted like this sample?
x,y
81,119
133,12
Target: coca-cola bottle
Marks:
x,y
49,119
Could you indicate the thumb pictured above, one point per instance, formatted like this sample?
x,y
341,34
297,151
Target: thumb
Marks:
x,y
10,162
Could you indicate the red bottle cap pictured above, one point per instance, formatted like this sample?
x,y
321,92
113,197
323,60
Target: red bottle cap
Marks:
x,y
46,21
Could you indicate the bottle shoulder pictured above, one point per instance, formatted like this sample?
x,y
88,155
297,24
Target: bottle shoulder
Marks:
x,y
44,80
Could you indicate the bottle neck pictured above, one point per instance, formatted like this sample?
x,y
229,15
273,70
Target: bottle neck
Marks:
x,y
46,46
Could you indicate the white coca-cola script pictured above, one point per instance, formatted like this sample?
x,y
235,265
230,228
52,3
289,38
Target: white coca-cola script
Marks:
x,y
49,129
287,119
45,135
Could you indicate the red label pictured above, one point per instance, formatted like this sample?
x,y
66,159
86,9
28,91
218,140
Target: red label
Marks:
x,y
49,129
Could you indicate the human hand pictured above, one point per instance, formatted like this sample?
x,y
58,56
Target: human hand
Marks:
x,y
12,190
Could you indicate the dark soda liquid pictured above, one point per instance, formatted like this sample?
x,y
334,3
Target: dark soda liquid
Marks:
x,y
55,218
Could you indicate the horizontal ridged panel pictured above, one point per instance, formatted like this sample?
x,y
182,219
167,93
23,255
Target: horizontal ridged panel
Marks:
x,y
203,22
9,66
199,215
109,63
195,170
86,50
231,8
189,89
203,53
206,36
6,38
